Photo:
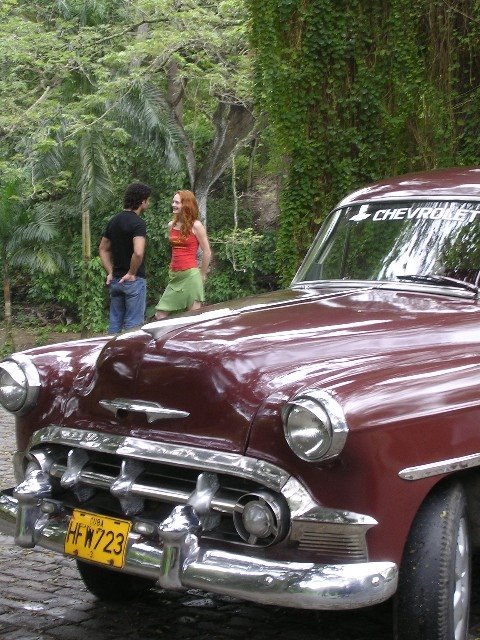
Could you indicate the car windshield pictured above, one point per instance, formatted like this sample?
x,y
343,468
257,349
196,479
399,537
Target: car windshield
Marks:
x,y
430,242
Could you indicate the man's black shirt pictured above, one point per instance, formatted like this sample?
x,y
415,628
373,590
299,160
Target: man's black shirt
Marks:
x,y
121,230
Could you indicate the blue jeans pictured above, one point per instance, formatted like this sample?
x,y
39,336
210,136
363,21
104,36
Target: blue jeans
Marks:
x,y
127,304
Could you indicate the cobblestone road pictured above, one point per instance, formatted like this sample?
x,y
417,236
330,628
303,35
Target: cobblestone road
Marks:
x,y
42,598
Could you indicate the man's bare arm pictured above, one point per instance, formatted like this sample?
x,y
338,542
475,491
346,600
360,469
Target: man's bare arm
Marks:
x,y
136,260
105,253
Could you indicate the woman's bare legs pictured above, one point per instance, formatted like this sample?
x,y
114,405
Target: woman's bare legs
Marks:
x,y
160,315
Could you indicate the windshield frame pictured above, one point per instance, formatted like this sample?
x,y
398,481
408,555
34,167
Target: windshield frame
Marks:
x,y
328,227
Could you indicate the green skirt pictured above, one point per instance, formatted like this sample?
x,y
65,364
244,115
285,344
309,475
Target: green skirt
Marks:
x,y
183,289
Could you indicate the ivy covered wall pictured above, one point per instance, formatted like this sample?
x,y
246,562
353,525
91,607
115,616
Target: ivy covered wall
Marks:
x,y
356,90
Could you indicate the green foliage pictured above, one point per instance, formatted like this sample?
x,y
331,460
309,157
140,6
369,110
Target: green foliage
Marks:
x,y
27,233
92,296
265,259
6,349
235,272
356,91
63,290
98,93
67,292
26,241
220,212
352,91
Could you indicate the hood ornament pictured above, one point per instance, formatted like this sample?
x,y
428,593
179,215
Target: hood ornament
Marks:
x,y
152,410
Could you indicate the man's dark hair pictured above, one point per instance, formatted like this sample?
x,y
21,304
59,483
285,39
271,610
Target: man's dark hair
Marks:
x,y
135,194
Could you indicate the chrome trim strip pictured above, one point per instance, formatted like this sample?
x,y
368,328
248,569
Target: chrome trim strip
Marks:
x,y
288,584
177,455
153,410
8,514
442,466
350,286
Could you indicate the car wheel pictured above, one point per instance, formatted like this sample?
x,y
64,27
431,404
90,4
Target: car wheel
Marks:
x,y
107,584
433,596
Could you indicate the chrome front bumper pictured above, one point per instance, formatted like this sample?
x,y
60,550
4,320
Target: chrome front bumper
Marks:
x,y
177,560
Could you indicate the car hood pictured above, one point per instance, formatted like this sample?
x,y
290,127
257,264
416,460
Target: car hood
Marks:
x,y
218,367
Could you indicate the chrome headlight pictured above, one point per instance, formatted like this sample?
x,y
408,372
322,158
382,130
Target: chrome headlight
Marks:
x,y
314,425
19,384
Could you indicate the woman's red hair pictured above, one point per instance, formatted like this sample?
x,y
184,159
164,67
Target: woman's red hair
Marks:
x,y
189,212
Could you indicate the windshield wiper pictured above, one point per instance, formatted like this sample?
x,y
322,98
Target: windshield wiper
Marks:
x,y
439,280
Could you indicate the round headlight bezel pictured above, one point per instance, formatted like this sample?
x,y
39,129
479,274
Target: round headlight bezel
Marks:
x,y
327,417
28,379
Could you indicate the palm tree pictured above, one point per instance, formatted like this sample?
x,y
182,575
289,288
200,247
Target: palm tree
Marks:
x,y
26,235
144,116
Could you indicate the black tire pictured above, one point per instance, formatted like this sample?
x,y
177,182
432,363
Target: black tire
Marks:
x,y
433,596
110,585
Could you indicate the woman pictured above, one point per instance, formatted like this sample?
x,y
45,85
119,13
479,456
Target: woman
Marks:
x,y
184,291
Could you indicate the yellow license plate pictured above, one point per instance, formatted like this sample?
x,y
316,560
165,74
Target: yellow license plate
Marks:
x,y
97,538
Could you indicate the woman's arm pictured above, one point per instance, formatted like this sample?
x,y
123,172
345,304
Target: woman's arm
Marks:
x,y
201,233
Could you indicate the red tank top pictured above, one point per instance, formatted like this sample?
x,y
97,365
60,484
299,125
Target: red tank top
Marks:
x,y
184,250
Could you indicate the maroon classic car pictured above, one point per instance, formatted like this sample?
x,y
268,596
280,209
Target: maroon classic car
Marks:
x,y
317,447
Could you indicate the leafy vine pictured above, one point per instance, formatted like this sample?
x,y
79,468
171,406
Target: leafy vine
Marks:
x,y
357,91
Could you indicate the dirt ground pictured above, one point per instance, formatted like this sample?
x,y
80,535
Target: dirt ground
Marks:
x,y
25,338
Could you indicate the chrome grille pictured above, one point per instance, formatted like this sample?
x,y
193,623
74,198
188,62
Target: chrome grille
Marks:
x,y
333,544
153,487
332,540
144,479
138,488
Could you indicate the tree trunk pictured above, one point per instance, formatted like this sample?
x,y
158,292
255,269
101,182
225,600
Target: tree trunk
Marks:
x,y
234,194
86,257
251,162
7,297
202,197
86,235
234,125
175,99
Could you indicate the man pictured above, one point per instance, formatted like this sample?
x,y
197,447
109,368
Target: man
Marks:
x,y
121,250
